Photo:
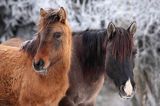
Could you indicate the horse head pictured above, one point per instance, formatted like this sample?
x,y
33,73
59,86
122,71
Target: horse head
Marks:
x,y
120,55
53,40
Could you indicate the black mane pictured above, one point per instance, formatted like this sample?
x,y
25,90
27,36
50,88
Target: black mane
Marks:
x,y
92,48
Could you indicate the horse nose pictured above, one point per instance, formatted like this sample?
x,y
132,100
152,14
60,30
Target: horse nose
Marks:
x,y
126,93
39,65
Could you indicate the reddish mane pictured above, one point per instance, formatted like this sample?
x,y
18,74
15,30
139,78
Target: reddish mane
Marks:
x,y
122,44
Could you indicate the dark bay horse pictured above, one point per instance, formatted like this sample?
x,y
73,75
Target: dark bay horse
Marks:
x,y
37,75
95,53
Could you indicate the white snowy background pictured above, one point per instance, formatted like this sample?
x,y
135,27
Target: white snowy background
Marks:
x,y
19,18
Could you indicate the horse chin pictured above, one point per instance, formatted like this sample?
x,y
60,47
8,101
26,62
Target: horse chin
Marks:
x,y
42,71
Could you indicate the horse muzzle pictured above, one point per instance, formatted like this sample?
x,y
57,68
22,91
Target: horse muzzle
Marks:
x,y
126,93
39,66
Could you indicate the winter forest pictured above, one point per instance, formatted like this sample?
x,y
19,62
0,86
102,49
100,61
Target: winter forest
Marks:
x,y
18,18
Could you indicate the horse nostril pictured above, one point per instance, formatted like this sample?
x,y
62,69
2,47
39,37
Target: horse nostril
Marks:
x,y
39,65
122,88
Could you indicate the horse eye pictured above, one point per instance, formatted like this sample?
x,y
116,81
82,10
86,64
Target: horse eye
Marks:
x,y
57,35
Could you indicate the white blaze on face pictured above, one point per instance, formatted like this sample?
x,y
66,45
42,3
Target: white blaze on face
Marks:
x,y
128,89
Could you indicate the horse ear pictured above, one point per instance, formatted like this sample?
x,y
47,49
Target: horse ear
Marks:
x,y
132,28
111,29
42,12
62,14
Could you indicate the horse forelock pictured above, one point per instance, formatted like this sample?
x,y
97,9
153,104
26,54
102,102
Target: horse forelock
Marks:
x,y
52,16
122,44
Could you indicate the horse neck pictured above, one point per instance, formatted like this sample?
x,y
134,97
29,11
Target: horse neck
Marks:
x,y
89,50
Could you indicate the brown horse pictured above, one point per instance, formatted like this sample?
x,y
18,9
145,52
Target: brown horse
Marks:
x,y
37,75
95,53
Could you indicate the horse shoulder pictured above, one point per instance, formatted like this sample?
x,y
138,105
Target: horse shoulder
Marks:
x,y
13,63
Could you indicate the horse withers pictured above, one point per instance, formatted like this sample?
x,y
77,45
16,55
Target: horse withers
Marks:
x,y
37,75
15,42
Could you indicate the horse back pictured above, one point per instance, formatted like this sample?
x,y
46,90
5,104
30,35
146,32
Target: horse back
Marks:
x,y
15,42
